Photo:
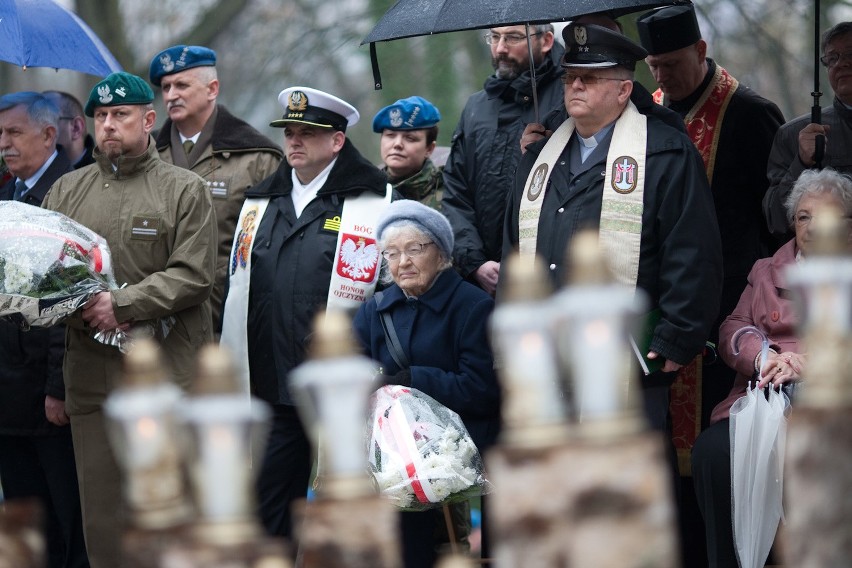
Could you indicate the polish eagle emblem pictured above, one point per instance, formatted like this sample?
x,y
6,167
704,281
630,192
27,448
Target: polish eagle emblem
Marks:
x,y
166,62
104,94
297,101
359,257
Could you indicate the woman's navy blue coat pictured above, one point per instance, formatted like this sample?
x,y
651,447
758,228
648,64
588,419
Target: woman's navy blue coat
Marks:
x,y
444,333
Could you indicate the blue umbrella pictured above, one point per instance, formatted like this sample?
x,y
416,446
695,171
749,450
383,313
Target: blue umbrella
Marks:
x,y
41,33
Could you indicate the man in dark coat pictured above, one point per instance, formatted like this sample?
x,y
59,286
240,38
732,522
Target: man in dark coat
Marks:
x,y
202,136
479,171
732,127
72,134
286,265
668,238
36,451
794,145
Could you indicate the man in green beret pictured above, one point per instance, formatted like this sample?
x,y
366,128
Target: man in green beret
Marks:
x,y
158,220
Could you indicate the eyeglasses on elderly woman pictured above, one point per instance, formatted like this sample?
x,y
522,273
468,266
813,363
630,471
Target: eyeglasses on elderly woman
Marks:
x,y
411,251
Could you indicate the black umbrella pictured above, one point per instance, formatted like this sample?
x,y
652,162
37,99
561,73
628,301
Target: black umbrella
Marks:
x,y
410,18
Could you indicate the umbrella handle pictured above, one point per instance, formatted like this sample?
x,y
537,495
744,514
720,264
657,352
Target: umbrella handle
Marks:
x,y
764,342
532,74
816,111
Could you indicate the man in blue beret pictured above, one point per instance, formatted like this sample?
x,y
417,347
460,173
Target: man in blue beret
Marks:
x,y
201,135
409,129
159,223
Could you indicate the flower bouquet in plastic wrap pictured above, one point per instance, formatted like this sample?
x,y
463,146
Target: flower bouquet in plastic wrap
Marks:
x,y
50,265
420,453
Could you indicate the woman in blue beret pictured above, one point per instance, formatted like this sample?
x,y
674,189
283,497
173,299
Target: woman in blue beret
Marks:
x,y
409,129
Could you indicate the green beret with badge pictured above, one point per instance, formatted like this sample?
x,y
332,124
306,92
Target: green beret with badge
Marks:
x,y
120,88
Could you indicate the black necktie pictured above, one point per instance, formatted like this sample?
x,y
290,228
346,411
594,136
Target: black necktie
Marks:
x,y
20,190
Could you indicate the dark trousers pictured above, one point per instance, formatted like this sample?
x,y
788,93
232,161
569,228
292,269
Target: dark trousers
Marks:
x,y
42,467
711,476
285,473
656,397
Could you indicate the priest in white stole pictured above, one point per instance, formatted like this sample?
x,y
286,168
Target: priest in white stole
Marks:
x,y
305,242
642,184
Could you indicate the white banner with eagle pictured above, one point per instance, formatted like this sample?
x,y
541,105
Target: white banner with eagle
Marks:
x,y
356,261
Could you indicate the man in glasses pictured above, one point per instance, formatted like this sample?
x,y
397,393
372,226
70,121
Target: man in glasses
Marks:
x,y
794,145
484,155
642,184
71,132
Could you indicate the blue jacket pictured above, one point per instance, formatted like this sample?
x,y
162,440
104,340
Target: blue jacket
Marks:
x,y
444,333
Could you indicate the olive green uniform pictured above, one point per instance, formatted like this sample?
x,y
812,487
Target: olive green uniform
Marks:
x,y
168,272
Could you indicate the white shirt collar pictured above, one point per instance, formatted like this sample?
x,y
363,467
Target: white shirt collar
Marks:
x,y
193,138
33,179
305,193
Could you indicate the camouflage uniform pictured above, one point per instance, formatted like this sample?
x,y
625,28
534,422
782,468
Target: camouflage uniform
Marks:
x,y
426,186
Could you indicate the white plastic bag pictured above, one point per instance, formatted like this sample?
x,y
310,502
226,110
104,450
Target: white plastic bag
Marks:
x,y
758,429
420,453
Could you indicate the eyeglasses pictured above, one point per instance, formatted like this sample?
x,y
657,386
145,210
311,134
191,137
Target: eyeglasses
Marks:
x,y
511,40
67,117
569,78
832,59
411,251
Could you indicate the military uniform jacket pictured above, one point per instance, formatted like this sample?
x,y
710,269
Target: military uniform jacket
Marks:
x,y
291,263
31,361
426,186
680,263
231,156
484,155
168,272
785,167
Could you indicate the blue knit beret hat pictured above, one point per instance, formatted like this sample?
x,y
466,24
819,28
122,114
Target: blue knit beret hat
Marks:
x,y
431,222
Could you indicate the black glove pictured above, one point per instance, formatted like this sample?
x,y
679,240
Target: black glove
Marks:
x,y
402,378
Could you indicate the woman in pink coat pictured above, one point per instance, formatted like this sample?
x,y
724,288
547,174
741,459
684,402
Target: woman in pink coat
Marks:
x,y
766,305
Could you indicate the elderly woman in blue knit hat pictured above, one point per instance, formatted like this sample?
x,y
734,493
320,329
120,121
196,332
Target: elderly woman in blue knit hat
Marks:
x,y
441,323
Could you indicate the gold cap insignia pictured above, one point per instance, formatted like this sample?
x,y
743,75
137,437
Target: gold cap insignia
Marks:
x,y
297,101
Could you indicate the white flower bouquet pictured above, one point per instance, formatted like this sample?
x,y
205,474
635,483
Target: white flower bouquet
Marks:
x,y
50,265
420,453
